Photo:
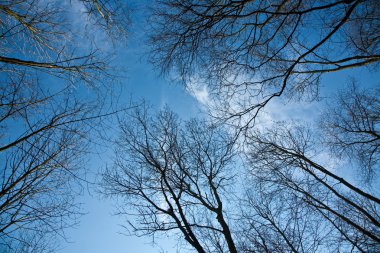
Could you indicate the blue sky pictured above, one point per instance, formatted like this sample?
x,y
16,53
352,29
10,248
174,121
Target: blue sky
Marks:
x,y
99,231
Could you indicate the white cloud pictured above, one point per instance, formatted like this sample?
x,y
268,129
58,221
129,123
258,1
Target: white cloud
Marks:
x,y
237,97
200,92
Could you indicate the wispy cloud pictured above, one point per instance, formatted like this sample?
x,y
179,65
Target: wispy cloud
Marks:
x,y
199,91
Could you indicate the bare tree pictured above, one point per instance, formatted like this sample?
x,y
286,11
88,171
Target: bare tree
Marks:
x,y
40,35
276,220
175,178
43,138
183,178
352,127
249,52
46,125
284,160
110,15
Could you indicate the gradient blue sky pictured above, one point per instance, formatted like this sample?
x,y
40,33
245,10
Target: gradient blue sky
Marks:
x,y
98,231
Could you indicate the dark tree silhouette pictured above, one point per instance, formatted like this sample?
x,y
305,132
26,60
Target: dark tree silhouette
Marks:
x,y
43,139
40,36
46,125
284,162
175,177
185,179
111,15
249,52
352,127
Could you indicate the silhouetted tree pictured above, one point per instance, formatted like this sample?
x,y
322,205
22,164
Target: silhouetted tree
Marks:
x,y
41,145
249,52
46,124
184,178
175,177
352,127
47,36
111,15
288,165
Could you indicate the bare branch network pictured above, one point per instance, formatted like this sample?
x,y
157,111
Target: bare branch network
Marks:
x,y
187,179
249,52
285,188
46,126
290,188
